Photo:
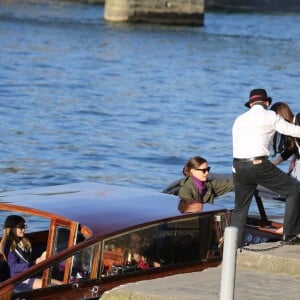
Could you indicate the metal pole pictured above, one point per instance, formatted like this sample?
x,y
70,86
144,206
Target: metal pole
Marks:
x,y
229,263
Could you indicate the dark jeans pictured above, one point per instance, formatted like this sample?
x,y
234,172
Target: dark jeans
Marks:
x,y
247,176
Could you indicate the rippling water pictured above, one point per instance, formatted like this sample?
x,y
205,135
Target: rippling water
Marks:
x,y
82,99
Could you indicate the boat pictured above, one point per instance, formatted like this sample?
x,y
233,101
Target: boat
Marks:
x,y
90,232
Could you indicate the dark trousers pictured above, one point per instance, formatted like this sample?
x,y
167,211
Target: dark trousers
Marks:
x,y
246,177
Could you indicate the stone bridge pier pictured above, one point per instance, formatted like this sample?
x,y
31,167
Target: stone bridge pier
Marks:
x,y
169,12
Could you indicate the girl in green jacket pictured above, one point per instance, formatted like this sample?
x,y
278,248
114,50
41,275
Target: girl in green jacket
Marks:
x,y
198,185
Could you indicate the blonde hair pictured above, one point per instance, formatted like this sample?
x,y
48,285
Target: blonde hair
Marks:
x,y
10,240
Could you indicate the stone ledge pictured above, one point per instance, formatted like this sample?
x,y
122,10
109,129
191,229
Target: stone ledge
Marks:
x,y
284,259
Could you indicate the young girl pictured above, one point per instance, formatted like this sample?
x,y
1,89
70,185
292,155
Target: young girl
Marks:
x,y
16,249
197,186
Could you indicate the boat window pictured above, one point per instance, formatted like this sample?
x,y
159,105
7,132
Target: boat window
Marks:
x,y
62,236
62,240
168,243
81,267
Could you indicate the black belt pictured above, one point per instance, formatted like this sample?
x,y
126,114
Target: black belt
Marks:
x,y
250,159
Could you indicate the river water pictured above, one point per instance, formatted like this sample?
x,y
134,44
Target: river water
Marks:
x,y
86,100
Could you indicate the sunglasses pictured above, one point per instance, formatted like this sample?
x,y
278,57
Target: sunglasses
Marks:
x,y
22,226
204,170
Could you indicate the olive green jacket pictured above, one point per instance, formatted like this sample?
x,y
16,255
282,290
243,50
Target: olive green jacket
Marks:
x,y
215,186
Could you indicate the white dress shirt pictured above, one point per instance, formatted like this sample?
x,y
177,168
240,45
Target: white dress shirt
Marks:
x,y
253,131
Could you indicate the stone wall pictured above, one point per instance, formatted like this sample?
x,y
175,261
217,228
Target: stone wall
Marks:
x,y
176,12
254,5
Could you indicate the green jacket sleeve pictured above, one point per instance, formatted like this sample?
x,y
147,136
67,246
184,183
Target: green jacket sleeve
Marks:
x,y
218,187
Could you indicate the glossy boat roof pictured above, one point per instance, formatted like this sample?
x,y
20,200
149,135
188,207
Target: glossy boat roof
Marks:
x,y
101,207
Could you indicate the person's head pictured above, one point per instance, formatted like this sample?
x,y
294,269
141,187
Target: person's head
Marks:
x,y
136,242
16,225
283,110
14,231
258,96
197,167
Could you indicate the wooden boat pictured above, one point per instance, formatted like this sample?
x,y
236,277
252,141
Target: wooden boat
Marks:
x,y
87,231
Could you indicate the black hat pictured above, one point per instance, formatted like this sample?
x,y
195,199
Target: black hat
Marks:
x,y
258,95
13,221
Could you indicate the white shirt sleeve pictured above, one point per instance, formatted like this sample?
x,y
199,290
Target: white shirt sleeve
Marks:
x,y
286,128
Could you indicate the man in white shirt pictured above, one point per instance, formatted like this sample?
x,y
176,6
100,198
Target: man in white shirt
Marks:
x,y
252,135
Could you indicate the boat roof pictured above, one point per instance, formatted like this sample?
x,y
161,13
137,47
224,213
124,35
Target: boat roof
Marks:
x,y
103,208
